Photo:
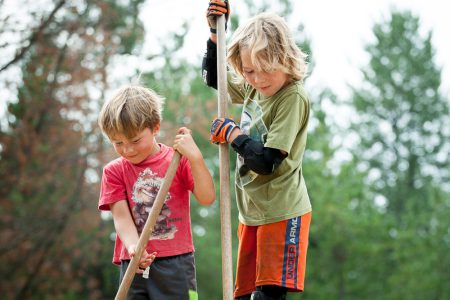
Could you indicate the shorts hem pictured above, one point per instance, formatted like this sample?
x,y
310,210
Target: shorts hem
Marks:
x,y
290,288
242,293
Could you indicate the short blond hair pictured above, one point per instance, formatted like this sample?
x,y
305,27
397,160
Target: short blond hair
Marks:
x,y
271,46
132,109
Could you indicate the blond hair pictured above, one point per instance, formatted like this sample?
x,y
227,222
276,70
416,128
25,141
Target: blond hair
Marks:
x,y
271,46
132,109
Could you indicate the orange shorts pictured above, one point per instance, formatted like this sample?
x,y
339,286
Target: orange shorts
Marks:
x,y
272,254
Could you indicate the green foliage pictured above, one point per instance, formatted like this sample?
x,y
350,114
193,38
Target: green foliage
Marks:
x,y
402,114
403,145
380,227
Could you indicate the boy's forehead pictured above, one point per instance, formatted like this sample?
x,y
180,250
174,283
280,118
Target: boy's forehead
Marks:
x,y
246,59
119,136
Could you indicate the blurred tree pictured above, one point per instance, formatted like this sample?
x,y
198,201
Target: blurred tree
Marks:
x,y
402,122
342,216
402,114
49,150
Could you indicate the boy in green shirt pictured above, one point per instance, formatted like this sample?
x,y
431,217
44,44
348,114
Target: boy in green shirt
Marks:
x,y
273,201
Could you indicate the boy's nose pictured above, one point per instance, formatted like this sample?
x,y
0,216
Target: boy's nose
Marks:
x,y
128,149
259,78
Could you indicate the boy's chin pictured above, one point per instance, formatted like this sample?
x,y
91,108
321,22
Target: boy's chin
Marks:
x,y
134,160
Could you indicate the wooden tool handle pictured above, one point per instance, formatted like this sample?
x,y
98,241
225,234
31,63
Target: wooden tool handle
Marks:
x,y
224,161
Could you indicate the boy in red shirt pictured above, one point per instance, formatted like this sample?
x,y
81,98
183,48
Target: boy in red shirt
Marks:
x,y
130,183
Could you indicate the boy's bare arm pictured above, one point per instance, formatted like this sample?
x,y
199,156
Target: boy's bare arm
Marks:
x,y
126,229
204,190
124,224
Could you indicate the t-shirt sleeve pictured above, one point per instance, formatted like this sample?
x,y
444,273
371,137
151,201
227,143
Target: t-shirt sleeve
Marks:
x,y
287,120
112,188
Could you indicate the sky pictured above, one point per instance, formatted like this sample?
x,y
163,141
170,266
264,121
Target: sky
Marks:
x,y
338,31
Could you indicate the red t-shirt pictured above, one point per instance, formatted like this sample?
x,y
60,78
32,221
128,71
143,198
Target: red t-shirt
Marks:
x,y
139,185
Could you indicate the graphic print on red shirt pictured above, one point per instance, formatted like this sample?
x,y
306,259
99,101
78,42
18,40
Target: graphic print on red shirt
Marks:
x,y
144,195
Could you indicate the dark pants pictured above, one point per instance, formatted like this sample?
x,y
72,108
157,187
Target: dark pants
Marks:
x,y
170,278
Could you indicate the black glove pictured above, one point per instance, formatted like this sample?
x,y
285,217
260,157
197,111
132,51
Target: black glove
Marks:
x,y
217,8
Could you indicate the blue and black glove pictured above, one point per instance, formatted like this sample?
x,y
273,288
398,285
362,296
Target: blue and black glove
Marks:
x,y
221,129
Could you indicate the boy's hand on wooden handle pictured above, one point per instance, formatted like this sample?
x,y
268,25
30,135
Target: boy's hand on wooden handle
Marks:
x,y
217,8
221,129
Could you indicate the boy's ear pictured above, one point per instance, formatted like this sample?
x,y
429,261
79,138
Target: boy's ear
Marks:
x,y
156,128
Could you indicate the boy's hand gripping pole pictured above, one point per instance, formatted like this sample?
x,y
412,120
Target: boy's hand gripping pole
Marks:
x,y
225,208
148,227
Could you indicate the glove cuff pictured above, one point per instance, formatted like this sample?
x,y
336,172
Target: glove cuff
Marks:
x,y
229,130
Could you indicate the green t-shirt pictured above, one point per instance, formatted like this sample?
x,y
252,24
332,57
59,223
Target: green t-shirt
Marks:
x,y
280,122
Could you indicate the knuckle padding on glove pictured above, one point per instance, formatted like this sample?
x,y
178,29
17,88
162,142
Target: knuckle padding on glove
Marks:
x,y
217,10
260,159
221,129
216,13
218,127
223,4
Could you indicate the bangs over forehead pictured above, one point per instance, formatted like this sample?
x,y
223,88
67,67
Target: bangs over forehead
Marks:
x,y
264,41
131,110
271,46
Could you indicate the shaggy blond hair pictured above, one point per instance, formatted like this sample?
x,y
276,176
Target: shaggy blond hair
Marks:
x,y
132,109
271,46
